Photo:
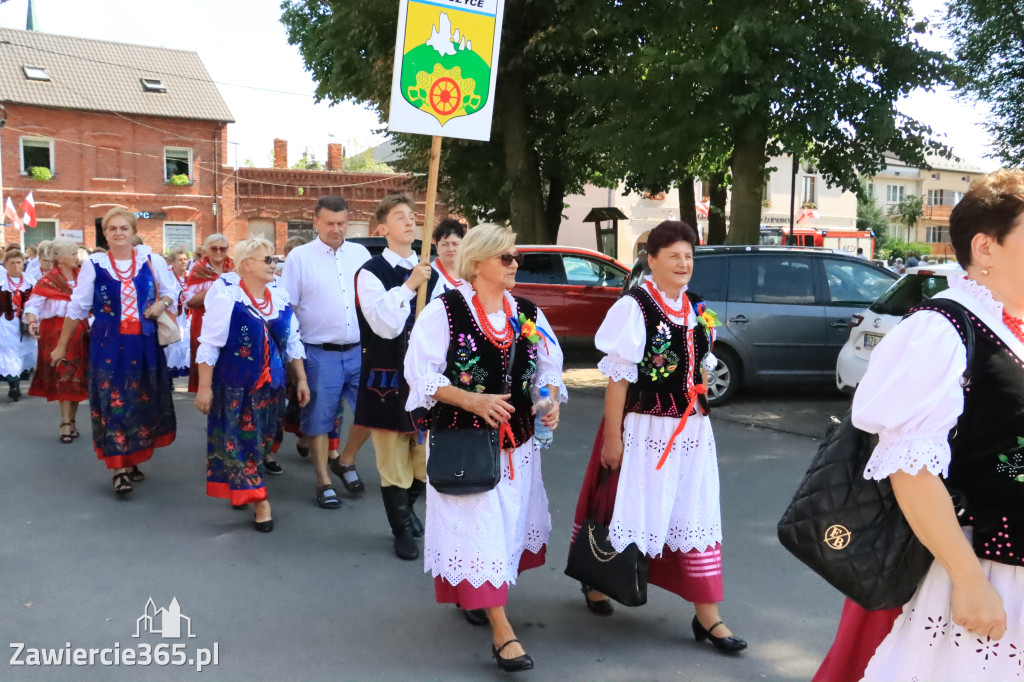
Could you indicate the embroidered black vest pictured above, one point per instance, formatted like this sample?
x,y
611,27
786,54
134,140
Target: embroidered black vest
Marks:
x,y
987,446
475,364
660,387
383,389
7,304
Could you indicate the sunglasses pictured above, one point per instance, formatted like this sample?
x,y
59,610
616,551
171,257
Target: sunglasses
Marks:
x,y
218,249
270,260
508,258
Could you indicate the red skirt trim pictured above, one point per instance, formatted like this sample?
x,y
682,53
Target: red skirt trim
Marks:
x,y
860,633
70,380
136,458
696,576
487,596
224,491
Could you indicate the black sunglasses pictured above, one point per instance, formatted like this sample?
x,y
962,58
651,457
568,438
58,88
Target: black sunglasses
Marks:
x,y
507,258
271,260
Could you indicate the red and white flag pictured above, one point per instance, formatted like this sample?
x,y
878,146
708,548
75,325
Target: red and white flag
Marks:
x,y
703,208
28,209
11,215
807,213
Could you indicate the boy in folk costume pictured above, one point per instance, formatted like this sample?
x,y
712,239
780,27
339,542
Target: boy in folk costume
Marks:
x,y
385,299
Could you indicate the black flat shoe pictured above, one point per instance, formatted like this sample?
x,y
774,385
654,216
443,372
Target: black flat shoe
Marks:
x,y
303,451
511,665
263,526
272,467
475,616
602,607
727,645
240,507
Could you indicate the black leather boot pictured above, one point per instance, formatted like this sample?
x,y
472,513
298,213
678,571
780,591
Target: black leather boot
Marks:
x,y
415,492
396,505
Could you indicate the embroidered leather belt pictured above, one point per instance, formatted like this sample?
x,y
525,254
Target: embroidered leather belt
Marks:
x,y
336,347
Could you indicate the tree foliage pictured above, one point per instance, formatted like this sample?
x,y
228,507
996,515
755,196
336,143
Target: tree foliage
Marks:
x,y
988,36
308,161
907,213
871,217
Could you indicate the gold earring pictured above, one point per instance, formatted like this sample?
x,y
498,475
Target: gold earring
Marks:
x,y
984,271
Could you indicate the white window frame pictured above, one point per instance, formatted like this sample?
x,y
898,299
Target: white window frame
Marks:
x,y
56,230
33,138
191,166
897,191
812,196
936,197
178,222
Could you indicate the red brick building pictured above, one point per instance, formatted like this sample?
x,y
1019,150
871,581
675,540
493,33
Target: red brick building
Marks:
x,y
93,124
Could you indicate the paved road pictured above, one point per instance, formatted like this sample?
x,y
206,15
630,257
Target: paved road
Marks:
x,y
322,597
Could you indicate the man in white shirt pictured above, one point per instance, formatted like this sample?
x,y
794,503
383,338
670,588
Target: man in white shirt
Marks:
x,y
320,283
386,287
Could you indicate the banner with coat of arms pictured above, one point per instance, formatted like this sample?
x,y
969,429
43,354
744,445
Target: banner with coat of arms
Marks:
x,y
446,59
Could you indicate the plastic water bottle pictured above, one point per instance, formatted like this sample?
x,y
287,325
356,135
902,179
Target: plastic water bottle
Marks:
x,y
542,407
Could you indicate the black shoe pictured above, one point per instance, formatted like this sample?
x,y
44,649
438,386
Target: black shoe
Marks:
x,y
396,505
475,616
511,665
727,645
416,490
346,472
302,450
602,607
263,526
272,467
240,507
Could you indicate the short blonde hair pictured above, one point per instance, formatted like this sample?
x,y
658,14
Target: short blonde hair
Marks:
x,y
215,237
44,249
482,242
62,246
175,252
124,213
247,247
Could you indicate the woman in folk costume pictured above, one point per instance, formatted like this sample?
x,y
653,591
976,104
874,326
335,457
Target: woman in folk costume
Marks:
x,y
68,382
477,545
15,290
657,437
127,289
448,236
966,620
248,339
179,354
200,278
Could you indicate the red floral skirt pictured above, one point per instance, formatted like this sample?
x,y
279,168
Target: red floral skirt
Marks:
x,y
70,379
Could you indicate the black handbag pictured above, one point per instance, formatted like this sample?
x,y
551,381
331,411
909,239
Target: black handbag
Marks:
x,y
467,461
597,564
850,530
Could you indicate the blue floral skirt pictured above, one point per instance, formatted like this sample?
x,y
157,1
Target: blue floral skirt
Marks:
x,y
130,399
239,433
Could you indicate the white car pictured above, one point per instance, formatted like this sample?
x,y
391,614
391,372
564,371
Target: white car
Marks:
x,y
870,326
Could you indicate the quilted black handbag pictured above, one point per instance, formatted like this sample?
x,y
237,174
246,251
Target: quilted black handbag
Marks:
x,y
597,564
467,461
850,530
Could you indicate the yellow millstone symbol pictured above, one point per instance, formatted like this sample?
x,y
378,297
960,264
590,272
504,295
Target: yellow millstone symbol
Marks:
x,y
837,536
444,93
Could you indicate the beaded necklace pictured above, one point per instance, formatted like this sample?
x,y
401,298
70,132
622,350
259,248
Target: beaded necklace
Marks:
x,y
15,290
122,277
267,306
659,299
444,273
502,340
1015,324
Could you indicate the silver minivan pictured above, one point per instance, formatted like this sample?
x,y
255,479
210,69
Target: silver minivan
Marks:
x,y
785,311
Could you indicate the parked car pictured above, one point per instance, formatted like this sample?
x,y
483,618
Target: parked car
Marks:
x,y
785,310
868,327
574,287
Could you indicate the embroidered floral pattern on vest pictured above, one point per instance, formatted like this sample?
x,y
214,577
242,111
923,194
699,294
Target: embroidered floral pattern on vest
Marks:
x,y
660,361
468,374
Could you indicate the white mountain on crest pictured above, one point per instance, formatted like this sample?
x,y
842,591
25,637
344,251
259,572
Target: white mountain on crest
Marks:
x,y
444,40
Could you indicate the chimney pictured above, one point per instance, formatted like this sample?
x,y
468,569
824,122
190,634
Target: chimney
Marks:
x,y
280,153
335,156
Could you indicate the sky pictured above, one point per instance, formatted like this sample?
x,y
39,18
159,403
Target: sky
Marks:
x,y
243,43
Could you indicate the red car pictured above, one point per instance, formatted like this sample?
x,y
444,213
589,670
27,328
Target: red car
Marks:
x,y
574,287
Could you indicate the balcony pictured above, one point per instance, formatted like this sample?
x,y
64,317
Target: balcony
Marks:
x,y
937,212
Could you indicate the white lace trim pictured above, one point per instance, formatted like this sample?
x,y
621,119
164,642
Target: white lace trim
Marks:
x,y
553,379
674,302
909,455
207,355
979,292
295,351
617,369
709,362
679,538
428,385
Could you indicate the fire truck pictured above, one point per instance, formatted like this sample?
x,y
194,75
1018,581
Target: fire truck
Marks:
x,y
840,240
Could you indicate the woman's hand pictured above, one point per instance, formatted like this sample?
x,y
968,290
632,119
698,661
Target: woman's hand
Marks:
x,y
156,309
33,329
550,420
302,391
57,355
611,452
978,607
204,398
491,407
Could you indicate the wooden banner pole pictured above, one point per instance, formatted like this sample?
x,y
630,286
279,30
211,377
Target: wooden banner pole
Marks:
x,y
428,220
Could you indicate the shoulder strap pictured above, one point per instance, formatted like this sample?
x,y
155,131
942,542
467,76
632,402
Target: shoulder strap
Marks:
x,y
959,316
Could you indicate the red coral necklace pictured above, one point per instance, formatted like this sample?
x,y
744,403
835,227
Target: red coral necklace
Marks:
x,y
660,300
503,339
267,306
444,273
1015,324
123,277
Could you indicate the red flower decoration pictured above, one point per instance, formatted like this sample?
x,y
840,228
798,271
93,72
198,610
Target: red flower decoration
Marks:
x,y
244,351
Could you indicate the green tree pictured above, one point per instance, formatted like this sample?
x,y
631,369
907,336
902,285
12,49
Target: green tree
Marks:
x,y
365,163
988,37
537,153
871,217
907,213
308,161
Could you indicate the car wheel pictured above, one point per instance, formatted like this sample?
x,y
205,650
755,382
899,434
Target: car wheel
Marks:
x,y
724,380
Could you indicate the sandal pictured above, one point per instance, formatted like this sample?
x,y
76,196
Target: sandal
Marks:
x,y
74,429
135,475
122,486
65,437
327,497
